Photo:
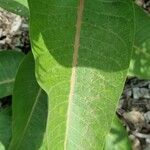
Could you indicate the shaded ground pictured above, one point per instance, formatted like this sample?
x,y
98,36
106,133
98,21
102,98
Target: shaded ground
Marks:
x,y
134,106
134,110
13,32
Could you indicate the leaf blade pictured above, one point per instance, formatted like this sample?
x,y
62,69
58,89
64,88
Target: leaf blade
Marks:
x,y
9,62
29,109
117,138
19,7
140,64
99,77
5,128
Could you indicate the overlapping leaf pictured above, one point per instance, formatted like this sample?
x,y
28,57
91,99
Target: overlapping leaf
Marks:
x,y
5,128
9,62
19,7
117,139
82,52
140,63
29,109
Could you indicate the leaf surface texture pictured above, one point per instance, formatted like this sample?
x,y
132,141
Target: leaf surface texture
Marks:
x,y
82,51
29,107
9,63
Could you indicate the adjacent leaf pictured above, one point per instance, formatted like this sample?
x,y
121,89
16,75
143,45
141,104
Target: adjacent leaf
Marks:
x,y
140,63
82,51
5,128
117,139
9,62
29,109
19,7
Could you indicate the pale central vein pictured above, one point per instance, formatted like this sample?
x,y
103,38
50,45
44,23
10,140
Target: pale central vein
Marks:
x,y
7,81
74,64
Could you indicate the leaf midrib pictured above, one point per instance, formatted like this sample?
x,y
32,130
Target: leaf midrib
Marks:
x,y
74,64
7,81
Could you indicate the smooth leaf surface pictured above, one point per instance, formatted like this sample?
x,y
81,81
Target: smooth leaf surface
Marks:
x,y
5,128
117,139
19,7
82,51
9,62
29,107
140,63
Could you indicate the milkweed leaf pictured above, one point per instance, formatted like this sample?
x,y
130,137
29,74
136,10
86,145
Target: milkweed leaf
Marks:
x,y
140,63
9,63
82,51
117,139
19,7
5,127
29,109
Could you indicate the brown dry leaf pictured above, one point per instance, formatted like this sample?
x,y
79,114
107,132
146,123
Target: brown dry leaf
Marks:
x,y
134,117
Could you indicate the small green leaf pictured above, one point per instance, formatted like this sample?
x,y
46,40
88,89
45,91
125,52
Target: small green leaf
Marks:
x,y
82,50
117,139
19,7
29,108
5,128
140,63
9,62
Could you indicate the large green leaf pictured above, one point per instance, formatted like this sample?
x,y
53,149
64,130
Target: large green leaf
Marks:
x,y
140,63
82,52
9,62
117,139
29,107
5,128
19,7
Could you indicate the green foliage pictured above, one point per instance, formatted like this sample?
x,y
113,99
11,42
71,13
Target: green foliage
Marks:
x,y
9,62
82,54
29,109
81,62
140,63
5,128
19,7
117,139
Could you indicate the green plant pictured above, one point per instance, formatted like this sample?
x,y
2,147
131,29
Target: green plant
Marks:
x,y
82,50
9,63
